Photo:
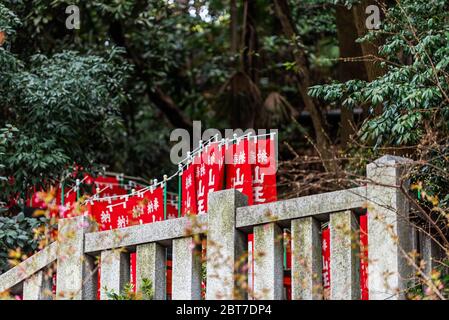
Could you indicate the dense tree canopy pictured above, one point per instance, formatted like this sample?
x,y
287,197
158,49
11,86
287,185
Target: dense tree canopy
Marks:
x,y
108,93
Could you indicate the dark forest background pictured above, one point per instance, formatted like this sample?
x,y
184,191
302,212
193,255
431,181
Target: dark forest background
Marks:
x,y
109,93
106,96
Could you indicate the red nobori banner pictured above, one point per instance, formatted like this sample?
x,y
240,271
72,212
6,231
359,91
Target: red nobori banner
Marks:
x,y
209,173
150,208
364,256
102,215
326,253
145,207
188,195
239,168
172,207
264,171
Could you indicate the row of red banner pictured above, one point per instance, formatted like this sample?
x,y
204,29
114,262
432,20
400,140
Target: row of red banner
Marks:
x,y
248,166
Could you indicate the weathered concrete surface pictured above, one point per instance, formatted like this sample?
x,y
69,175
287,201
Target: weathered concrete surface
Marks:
x,y
144,233
38,287
301,207
186,273
226,247
268,263
306,259
431,252
115,272
389,229
76,277
28,267
150,264
344,256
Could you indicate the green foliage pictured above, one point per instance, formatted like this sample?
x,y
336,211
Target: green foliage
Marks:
x,y
414,87
440,280
17,232
8,20
409,104
60,110
314,19
180,48
146,293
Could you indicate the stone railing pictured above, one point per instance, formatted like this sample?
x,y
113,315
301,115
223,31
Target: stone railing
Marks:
x,y
225,227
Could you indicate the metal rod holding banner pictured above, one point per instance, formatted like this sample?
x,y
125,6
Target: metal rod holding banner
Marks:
x,y
62,193
185,162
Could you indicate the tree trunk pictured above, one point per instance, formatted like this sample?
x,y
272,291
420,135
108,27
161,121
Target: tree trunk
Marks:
x,y
234,27
348,68
322,141
369,49
250,42
245,101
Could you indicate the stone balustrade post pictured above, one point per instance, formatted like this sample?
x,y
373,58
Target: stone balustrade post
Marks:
x,y
389,229
226,247
76,276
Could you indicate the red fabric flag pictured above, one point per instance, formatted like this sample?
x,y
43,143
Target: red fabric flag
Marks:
x,y
188,195
119,215
36,200
102,215
239,172
88,179
169,279
325,249
264,171
69,198
133,265
172,208
288,251
209,173
153,205
109,186
364,256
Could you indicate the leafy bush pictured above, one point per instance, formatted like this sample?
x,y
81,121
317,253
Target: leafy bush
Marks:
x,y
414,91
62,109
440,280
17,232
409,102
129,294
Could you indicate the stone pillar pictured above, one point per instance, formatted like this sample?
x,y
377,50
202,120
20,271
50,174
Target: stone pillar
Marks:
x,y
226,247
150,264
344,256
38,287
430,252
268,263
115,272
186,272
306,259
76,276
389,229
